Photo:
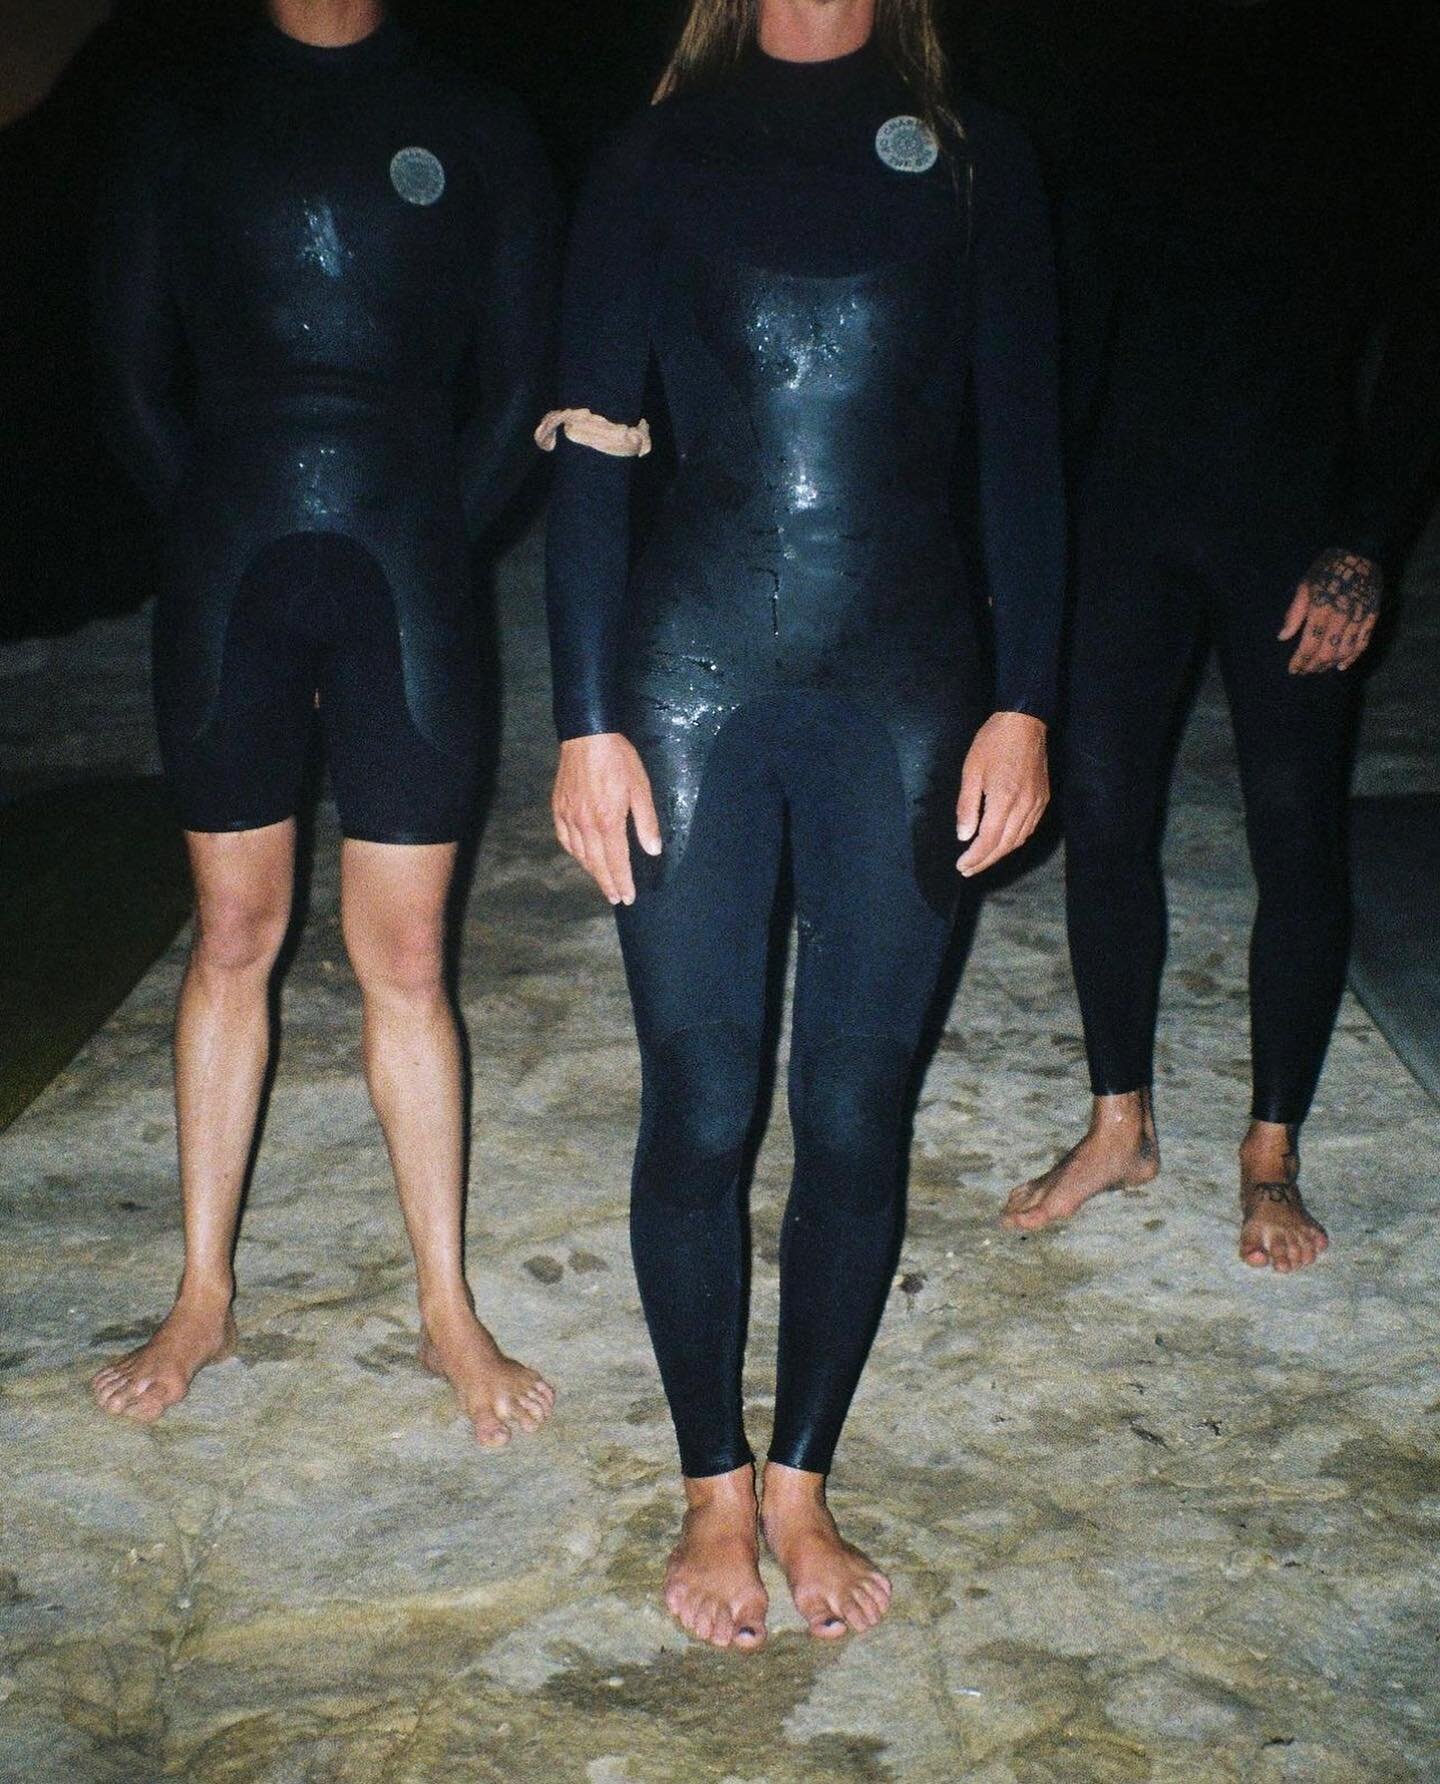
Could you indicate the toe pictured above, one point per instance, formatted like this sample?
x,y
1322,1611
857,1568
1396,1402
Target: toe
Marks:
x,y
829,1628
750,1638
490,1433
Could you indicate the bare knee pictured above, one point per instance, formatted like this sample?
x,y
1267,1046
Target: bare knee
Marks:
x,y
405,962
239,934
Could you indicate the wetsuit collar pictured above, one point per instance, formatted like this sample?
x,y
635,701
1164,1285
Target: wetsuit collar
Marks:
x,y
782,80
381,44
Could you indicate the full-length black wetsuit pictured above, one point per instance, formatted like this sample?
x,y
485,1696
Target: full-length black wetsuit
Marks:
x,y
796,653
1228,254
322,302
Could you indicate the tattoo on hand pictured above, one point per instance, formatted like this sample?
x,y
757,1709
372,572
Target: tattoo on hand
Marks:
x,y
1349,585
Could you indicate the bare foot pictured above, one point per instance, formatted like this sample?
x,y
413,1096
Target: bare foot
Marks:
x,y
1276,1228
199,1329
712,1584
495,1391
837,1589
1119,1152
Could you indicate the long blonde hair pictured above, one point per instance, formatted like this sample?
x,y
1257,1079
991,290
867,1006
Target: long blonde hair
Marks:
x,y
718,32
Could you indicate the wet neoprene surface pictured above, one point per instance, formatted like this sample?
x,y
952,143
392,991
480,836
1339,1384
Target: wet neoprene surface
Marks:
x,y
322,301
796,655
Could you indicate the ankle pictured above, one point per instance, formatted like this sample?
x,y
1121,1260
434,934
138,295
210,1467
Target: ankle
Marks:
x,y
206,1292
735,1491
1124,1120
444,1303
791,1490
1270,1146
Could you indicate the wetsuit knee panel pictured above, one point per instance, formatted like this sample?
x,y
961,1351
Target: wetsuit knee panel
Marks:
x,y
849,1106
700,1092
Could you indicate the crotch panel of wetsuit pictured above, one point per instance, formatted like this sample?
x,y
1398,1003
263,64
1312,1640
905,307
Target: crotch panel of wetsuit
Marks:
x,y
795,654
351,250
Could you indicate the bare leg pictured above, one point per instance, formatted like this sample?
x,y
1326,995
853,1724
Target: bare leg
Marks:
x,y
837,1589
1276,1229
393,899
1119,1152
712,1584
243,887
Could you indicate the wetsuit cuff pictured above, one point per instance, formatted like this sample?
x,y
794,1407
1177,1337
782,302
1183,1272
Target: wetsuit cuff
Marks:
x,y
1027,708
570,724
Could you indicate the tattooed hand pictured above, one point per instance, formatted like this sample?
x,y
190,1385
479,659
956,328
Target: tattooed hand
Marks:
x,y
1334,612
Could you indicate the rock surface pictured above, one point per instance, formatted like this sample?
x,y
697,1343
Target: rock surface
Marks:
x,y
1150,1515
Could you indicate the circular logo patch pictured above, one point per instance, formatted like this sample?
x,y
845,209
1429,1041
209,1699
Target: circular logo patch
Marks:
x,y
907,145
417,176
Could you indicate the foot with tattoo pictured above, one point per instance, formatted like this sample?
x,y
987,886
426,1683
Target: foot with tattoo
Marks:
x,y
1276,1230
1119,1152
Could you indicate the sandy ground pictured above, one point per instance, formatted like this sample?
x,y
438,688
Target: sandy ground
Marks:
x,y
1150,1516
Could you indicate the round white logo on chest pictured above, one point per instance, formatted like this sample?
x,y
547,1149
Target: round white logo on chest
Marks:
x,y
908,145
417,176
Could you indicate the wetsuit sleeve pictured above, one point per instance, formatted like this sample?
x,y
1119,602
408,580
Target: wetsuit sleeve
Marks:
x,y
604,355
512,342
1396,455
1017,403
136,328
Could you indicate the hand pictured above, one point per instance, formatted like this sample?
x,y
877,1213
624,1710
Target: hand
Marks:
x,y
600,785
1336,605
1004,789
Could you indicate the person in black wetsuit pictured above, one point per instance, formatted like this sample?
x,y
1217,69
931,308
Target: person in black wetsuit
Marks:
x,y
323,285
1234,235
819,261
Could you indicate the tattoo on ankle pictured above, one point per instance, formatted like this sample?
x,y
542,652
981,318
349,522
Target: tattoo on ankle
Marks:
x,y
1285,1195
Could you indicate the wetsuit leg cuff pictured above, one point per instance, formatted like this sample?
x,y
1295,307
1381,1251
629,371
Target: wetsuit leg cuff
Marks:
x,y
807,1458
708,1463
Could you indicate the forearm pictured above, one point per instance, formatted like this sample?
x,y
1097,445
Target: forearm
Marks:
x,y
587,568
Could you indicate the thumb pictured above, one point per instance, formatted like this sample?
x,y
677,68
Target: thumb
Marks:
x,y
642,809
1296,613
967,815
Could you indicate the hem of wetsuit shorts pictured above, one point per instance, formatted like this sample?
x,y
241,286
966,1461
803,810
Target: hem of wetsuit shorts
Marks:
x,y
413,839
235,826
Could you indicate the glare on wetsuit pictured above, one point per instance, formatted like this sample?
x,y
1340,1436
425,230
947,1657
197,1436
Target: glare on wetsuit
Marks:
x,y
796,652
322,305
1224,221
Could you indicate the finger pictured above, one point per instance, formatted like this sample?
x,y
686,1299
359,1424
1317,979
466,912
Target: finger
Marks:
x,y
562,835
1311,639
647,824
968,809
1295,613
1011,838
982,851
596,865
1367,632
1349,645
617,858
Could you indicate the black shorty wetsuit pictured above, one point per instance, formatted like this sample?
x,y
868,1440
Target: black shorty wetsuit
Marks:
x,y
796,655
323,292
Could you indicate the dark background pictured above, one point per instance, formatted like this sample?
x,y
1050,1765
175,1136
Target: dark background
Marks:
x,y
73,540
